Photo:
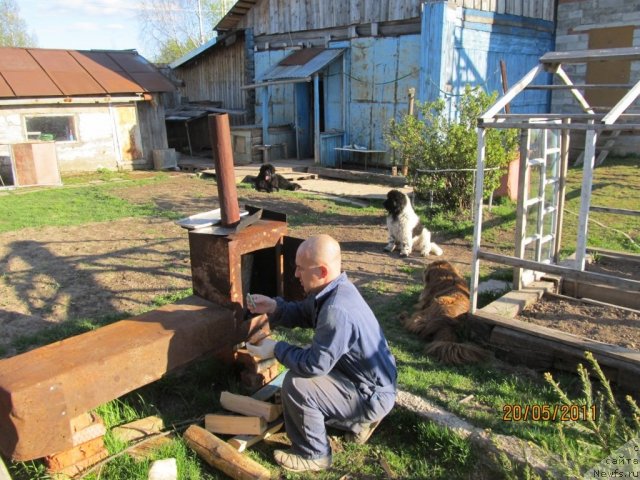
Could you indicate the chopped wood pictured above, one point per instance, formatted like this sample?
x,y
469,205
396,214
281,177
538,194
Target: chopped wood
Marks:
x,y
242,442
254,381
235,424
138,429
250,406
4,472
251,363
223,456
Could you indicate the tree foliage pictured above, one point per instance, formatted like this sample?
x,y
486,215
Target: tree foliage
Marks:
x,y
13,29
172,28
432,141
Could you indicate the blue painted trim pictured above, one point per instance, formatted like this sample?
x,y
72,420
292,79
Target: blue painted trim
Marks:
x,y
265,115
316,118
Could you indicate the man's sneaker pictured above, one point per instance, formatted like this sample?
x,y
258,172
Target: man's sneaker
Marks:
x,y
365,432
296,463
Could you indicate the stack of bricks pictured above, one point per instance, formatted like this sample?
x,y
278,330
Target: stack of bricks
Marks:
x,y
88,447
255,373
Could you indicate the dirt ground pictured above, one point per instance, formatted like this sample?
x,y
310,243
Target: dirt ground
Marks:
x,y
53,274
616,326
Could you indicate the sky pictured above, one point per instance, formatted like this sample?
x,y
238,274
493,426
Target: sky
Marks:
x,y
84,24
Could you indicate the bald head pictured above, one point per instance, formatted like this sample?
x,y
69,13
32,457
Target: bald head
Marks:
x,y
320,256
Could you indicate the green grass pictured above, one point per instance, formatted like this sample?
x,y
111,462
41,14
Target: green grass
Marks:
x,y
616,184
412,447
68,206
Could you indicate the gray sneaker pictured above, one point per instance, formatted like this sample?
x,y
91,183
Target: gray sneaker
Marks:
x,y
363,435
296,463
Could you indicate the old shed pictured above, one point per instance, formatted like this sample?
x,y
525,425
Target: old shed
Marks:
x,y
326,77
81,110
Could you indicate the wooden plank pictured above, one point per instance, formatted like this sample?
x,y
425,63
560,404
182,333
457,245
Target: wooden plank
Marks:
x,y
4,471
242,442
594,55
565,272
138,428
612,353
234,424
513,91
223,456
269,390
250,406
575,92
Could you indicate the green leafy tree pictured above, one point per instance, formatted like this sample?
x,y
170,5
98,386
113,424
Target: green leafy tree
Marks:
x,y
13,29
432,141
171,28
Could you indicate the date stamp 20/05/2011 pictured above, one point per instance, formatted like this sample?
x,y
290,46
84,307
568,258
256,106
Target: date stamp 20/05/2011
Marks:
x,y
546,413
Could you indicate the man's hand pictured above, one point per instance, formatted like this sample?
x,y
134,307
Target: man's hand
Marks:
x,y
264,350
261,304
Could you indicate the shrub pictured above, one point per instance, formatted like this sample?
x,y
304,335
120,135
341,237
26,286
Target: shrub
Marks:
x,y
434,142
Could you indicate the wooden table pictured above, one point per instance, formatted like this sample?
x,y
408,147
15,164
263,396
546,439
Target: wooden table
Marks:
x,y
358,150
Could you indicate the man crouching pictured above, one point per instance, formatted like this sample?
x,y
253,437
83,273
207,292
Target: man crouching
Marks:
x,y
346,378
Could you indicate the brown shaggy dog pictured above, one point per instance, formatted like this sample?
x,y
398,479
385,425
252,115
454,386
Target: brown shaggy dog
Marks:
x,y
441,309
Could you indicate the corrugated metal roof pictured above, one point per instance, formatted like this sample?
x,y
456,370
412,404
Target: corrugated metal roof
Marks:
x,y
235,13
37,72
302,63
194,53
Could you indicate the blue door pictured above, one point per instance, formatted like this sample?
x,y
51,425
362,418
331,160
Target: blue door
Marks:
x,y
304,125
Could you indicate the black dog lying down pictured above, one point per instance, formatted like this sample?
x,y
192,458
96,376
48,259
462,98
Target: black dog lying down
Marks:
x,y
268,180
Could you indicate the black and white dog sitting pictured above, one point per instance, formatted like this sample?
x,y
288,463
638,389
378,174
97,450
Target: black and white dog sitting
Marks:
x,y
268,180
406,232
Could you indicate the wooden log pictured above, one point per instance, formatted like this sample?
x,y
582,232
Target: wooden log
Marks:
x,y
234,424
250,406
138,428
251,363
242,442
223,456
253,381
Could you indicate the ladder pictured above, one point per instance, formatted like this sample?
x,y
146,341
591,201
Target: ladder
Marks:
x,y
539,202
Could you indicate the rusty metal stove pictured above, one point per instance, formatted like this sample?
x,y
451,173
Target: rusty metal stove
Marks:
x,y
250,254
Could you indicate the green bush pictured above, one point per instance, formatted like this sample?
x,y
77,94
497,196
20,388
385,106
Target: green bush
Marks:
x,y
433,142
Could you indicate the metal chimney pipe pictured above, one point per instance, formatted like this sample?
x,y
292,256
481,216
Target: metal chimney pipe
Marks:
x,y
220,134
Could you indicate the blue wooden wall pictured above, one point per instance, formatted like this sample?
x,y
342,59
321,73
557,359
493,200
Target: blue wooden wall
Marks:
x,y
280,97
465,46
456,47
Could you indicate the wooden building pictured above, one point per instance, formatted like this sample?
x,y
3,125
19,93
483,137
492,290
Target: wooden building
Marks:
x,y
322,75
87,109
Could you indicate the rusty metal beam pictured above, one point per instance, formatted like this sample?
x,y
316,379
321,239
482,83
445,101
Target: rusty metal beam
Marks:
x,y
42,390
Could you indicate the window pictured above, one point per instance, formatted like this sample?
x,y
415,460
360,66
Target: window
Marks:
x,y
45,127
